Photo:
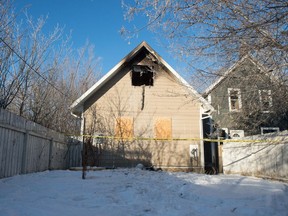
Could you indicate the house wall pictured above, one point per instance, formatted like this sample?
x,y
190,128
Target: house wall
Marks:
x,y
167,101
249,79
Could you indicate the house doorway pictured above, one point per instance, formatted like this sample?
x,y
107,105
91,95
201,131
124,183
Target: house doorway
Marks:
x,y
212,149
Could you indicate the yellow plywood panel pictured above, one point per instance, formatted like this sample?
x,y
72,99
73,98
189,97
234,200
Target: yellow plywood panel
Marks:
x,y
163,128
124,127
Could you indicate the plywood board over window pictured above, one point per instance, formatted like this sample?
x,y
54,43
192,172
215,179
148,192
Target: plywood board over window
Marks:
x,y
124,127
163,128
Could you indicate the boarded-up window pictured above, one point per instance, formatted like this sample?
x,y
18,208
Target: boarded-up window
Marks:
x,y
124,127
163,128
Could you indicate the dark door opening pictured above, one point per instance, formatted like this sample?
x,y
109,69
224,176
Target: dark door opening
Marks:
x,y
211,154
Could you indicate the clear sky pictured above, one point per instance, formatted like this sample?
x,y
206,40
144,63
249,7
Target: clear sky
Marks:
x,y
98,21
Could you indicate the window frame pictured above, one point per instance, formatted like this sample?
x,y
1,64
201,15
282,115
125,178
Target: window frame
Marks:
x,y
264,109
239,99
274,129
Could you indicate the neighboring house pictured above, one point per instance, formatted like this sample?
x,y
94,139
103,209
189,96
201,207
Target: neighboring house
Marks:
x,y
147,111
248,100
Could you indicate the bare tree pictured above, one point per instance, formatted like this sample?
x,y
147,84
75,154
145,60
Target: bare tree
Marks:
x,y
79,71
40,74
212,34
36,53
10,80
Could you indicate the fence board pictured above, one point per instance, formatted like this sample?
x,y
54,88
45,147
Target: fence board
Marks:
x,y
268,158
27,147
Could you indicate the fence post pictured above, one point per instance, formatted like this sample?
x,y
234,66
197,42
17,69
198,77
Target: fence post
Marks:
x,y
50,153
24,153
220,158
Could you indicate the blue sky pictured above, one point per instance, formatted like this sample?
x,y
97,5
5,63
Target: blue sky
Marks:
x,y
98,21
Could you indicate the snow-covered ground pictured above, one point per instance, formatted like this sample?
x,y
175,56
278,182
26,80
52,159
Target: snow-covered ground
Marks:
x,y
139,192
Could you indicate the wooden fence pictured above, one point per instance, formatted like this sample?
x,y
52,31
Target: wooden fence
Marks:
x,y
266,157
27,147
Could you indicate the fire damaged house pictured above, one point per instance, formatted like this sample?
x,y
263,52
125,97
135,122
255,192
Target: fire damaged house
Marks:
x,y
143,111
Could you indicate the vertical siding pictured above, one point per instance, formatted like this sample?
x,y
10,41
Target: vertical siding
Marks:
x,y
268,158
25,147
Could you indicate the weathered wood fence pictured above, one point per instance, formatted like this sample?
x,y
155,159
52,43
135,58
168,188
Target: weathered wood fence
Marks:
x,y
27,147
267,158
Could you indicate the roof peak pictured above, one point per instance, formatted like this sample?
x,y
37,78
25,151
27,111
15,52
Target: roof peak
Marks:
x,y
231,68
76,106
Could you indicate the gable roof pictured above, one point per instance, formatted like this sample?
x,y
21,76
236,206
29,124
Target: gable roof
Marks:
x,y
77,106
231,69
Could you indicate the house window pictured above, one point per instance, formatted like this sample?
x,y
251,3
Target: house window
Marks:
x,y
265,130
235,103
265,100
163,128
124,127
142,75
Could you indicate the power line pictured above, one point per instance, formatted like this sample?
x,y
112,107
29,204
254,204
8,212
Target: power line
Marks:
x,y
35,71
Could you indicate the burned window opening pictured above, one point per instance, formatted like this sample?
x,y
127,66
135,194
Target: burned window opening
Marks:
x,y
142,75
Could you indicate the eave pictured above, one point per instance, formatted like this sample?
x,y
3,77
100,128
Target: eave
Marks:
x,y
78,105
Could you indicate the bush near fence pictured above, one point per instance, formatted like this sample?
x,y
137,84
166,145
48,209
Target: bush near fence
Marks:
x,y
27,147
267,158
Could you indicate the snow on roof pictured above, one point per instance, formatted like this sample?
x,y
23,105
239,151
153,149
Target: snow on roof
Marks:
x,y
77,106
